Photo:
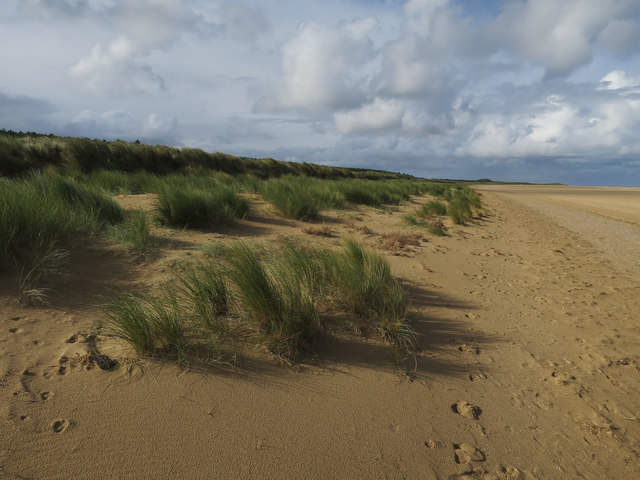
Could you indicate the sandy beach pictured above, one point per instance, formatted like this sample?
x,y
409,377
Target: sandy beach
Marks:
x,y
527,367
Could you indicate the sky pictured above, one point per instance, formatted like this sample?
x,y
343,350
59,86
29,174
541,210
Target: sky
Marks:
x,y
535,90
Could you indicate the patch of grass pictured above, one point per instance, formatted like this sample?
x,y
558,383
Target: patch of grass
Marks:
x,y
149,323
275,298
91,201
463,202
320,230
129,320
190,204
399,241
433,208
365,286
301,198
48,209
206,295
45,260
275,292
135,233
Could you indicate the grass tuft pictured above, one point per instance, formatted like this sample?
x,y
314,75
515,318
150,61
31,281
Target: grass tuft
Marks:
x,y
192,203
45,260
135,233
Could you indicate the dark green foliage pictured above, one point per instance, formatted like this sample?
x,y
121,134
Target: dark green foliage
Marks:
x,y
23,152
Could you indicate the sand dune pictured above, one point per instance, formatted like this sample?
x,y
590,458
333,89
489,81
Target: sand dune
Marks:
x,y
528,365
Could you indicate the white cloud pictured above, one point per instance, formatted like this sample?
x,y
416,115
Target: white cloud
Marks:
x,y
379,115
617,80
323,66
564,35
116,70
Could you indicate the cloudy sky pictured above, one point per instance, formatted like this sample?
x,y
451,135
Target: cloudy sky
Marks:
x,y
535,90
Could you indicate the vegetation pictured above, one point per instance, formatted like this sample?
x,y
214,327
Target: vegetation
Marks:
x,y
24,152
280,295
41,210
198,203
135,234
55,189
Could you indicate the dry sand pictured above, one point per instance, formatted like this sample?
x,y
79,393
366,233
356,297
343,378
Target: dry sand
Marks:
x,y
529,364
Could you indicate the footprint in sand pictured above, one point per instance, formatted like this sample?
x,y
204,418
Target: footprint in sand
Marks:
x,y
467,453
46,395
467,410
466,348
59,426
62,367
563,378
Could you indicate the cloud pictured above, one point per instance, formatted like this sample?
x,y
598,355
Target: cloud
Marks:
x,y
324,67
116,70
21,112
562,36
560,126
617,80
64,8
373,117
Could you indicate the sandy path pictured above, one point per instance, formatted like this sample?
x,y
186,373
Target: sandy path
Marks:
x,y
529,368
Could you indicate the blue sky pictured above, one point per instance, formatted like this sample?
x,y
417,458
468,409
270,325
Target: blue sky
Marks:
x,y
537,90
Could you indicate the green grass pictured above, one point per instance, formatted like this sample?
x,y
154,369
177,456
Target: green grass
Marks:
x,y
204,289
149,323
45,260
193,203
279,293
43,210
135,234
300,197
364,285
129,320
275,298
433,208
462,203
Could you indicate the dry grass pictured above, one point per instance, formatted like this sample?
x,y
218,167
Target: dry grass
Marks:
x,y
320,230
398,242
359,228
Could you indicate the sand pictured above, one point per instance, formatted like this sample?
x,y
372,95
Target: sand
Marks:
x,y
528,366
